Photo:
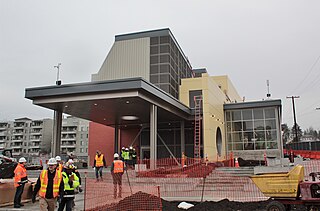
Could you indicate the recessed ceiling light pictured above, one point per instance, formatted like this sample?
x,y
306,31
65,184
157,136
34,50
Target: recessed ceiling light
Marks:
x,y
66,106
130,118
127,101
95,104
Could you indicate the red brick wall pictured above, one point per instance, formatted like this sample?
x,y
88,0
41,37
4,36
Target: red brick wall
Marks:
x,y
102,137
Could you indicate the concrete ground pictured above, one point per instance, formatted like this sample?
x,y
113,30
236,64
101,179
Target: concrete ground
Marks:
x,y
79,200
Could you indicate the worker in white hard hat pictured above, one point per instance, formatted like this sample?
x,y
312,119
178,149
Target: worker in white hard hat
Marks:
x,y
122,154
48,186
20,179
117,169
59,163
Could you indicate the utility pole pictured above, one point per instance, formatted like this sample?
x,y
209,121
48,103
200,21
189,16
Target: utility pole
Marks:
x,y
58,82
294,116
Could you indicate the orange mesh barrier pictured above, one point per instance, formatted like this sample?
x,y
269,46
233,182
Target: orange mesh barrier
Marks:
x,y
99,195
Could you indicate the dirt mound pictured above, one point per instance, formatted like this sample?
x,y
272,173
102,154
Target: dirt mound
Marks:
x,y
142,201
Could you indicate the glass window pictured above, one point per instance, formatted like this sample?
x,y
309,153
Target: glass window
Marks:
x,y
164,78
236,115
247,125
164,49
237,137
269,113
228,117
164,59
270,124
238,146
154,69
164,68
154,59
272,145
154,79
164,39
259,125
154,49
236,126
228,126
154,40
247,114
271,135
258,113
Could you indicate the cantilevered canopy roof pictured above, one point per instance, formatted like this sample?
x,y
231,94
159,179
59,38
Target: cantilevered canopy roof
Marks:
x,y
111,102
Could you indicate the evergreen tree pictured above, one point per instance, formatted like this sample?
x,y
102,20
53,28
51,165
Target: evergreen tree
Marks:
x,y
285,133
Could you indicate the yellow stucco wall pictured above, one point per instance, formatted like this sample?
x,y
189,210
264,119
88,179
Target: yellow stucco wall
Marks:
x,y
213,116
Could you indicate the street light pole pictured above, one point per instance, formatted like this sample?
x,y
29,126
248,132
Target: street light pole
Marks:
x,y
57,122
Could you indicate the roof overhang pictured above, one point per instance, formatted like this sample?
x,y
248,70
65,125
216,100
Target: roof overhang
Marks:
x,y
107,102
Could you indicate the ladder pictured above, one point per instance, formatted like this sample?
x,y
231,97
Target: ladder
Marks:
x,y
197,125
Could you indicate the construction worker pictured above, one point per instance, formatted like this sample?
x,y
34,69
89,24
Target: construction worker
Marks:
x,y
99,163
130,161
123,150
75,170
126,156
20,179
59,163
134,157
69,183
48,185
117,169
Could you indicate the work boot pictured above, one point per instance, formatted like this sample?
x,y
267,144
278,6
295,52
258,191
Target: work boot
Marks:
x,y
16,206
97,180
21,205
101,179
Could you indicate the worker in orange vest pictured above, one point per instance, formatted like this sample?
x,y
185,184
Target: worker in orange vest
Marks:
x,y
59,163
20,179
99,163
117,169
48,185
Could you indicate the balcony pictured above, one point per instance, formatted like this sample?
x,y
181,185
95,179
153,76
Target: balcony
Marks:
x,y
34,153
68,138
34,147
35,140
16,140
16,153
35,132
16,147
68,146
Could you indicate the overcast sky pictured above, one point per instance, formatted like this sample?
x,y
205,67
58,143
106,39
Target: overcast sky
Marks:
x,y
251,41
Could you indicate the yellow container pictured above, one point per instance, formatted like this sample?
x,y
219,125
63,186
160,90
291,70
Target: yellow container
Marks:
x,y
280,185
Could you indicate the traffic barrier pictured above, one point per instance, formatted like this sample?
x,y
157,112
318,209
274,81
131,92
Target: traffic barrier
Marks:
x,y
236,163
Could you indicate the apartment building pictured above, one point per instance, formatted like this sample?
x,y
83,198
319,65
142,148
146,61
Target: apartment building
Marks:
x,y
32,138
26,137
74,137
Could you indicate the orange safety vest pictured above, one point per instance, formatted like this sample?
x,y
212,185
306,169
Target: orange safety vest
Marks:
x,y
44,183
99,160
118,166
19,173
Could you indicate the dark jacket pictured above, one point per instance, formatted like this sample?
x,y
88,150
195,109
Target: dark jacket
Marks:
x,y
49,192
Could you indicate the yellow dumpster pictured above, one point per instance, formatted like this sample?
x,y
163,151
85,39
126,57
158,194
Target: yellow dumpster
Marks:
x,y
280,185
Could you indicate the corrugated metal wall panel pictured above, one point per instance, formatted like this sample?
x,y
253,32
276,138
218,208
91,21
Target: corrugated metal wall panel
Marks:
x,y
126,59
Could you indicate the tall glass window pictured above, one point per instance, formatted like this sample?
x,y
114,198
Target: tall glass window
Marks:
x,y
252,129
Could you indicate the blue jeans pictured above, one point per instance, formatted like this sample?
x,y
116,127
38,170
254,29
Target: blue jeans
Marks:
x,y
99,171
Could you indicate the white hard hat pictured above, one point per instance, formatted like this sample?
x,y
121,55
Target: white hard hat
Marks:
x,y
123,147
70,161
22,160
130,147
52,161
127,149
58,158
116,155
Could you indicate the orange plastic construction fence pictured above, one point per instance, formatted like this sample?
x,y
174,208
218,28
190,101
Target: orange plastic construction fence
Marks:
x,y
104,195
